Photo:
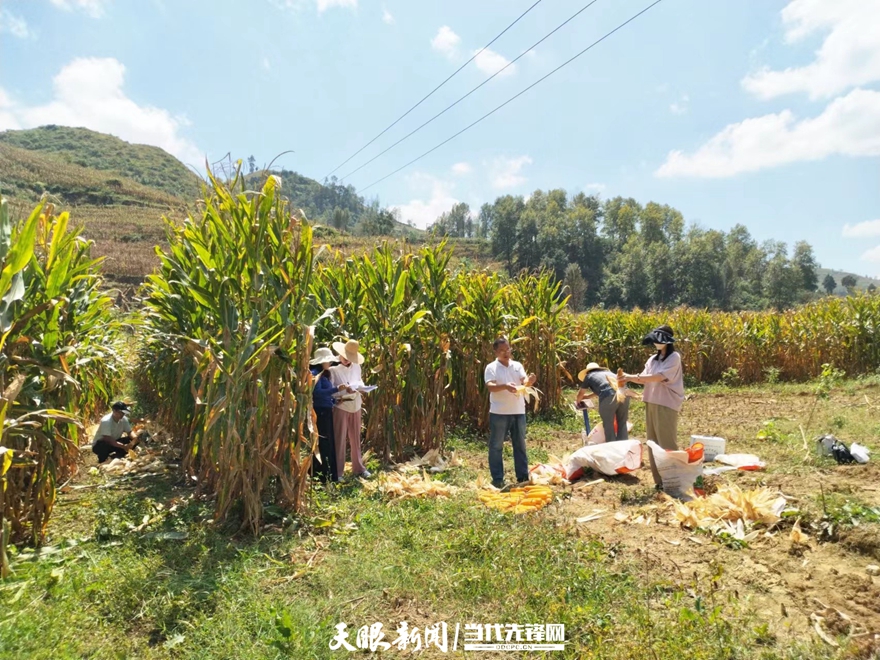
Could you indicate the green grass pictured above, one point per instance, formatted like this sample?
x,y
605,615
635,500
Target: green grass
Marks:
x,y
182,587
357,560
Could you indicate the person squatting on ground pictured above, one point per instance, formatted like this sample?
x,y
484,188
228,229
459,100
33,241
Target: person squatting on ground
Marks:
x,y
346,377
325,468
113,438
594,382
663,379
507,412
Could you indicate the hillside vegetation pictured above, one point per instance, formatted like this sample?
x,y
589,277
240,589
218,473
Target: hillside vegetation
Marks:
x,y
150,166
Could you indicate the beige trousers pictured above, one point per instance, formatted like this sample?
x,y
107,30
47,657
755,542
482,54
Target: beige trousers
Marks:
x,y
347,430
662,428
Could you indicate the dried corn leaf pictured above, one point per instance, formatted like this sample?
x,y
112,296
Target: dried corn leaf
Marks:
x,y
432,461
595,515
400,486
797,536
731,510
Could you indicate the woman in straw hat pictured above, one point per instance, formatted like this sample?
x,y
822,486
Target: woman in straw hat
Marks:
x,y
664,392
346,377
594,382
322,402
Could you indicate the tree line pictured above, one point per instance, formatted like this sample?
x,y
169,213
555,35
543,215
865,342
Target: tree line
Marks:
x,y
615,252
620,253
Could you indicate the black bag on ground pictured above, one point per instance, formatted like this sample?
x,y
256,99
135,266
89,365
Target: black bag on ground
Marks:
x,y
841,453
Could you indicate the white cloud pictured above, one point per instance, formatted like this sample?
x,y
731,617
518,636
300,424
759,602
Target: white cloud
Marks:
x,y
850,126
866,229
490,62
597,187
7,119
88,92
324,5
872,255
680,107
848,57
14,25
446,42
387,18
424,212
94,8
267,65
462,168
507,172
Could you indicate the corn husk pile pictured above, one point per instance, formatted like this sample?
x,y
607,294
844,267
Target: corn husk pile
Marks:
x,y
518,500
731,510
140,461
396,486
551,473
433,462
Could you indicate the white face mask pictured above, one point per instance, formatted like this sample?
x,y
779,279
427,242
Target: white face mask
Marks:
x,y
659,347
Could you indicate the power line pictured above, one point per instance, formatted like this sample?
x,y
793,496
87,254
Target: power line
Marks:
x,y
513,98
425,98
449,107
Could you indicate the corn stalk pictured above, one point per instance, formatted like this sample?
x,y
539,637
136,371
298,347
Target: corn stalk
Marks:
x,y
57,362
229,330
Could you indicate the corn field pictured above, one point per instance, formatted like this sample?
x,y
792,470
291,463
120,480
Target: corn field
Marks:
x,y
744,347
58,364
243,296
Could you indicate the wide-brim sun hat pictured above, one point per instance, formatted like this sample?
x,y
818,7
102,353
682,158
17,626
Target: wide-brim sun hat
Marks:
x,y
323,355
593,366
350,350
658,336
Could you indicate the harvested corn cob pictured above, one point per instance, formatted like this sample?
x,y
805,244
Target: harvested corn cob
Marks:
x,y
518,500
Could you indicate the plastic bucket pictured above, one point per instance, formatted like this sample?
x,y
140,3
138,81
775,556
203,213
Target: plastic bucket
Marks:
x,y
711,446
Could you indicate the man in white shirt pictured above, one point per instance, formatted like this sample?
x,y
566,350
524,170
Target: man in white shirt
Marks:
x,y
346,376
507,412
113,434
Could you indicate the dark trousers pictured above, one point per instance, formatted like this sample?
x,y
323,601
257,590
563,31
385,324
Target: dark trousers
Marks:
x,y
103,450
326,469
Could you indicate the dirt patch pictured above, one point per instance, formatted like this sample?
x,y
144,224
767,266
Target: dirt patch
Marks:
x,y
865,540
782,582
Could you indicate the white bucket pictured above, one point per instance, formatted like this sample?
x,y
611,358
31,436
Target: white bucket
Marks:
x,y
711,446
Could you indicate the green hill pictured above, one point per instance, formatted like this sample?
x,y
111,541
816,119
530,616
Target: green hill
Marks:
x,y
862,281
121,191
150,166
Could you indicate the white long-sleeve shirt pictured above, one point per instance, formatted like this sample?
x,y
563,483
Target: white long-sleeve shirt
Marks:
x,y
351,376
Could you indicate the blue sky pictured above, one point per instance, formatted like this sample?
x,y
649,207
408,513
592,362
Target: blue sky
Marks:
x,y
765,113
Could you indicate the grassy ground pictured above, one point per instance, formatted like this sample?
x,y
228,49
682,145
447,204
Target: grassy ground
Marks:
x,y
135,568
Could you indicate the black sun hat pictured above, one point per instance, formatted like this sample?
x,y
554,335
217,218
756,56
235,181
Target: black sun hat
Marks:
x,y
661,335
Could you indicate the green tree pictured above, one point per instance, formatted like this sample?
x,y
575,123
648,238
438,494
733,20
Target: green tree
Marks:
x,y
701,274
377,221
340,219
742,271
829,284
506,214
484,222
252,164
782,281
576,285
850,282
456,222
872,289
804,261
